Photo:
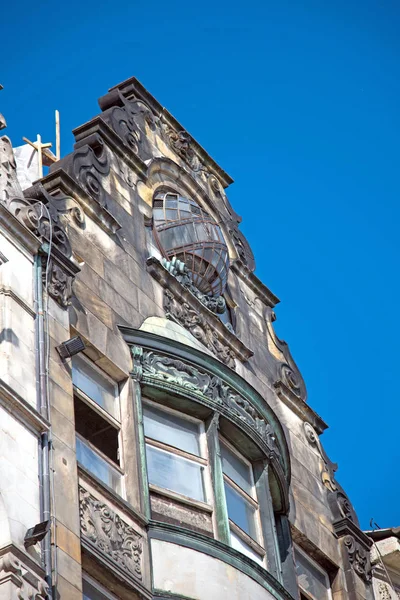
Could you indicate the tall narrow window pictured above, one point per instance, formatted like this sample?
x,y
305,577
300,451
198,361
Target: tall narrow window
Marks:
x,y
97,423
242,505
175,454
312,580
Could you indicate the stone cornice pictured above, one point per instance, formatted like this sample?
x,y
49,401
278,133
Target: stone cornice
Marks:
x,y
133,88
345,526
255,284
25,238
113,141
24,411
59,181
299,407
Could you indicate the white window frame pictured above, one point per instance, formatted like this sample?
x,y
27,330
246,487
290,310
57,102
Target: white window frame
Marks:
x,y
319,568
203,459
255,545
108,417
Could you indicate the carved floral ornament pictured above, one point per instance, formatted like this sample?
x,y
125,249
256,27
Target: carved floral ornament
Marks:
x,y
109,534
175,374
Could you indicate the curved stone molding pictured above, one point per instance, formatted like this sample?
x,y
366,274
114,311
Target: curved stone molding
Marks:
x,y
175,375
104,530
183,307
339,502
20,580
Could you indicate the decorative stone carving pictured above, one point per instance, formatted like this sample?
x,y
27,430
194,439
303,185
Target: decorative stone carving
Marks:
x,y
150,366
183,307
109,534
27,584
339,500
180,271
181,142
9,184
129,120
384,592
89,164
359,557
199,327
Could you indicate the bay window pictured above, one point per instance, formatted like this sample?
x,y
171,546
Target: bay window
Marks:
x,y
175,452
241,500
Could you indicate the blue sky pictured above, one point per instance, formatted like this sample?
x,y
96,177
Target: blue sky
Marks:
x,y
298,102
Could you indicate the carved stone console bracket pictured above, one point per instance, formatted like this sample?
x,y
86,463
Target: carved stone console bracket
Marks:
x,y
184,308
339,502
114,543
20,577
357,545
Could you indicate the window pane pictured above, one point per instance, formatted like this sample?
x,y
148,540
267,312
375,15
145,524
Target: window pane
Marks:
x,y
238,544
236,470
90,592
171,430
310,579
240,511
98,466
175,473
94,385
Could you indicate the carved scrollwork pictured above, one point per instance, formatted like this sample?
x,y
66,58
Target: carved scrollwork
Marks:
x,y
180,374
198,325
89,164
291,379
128,121
28,586
339,501
109,534
359,557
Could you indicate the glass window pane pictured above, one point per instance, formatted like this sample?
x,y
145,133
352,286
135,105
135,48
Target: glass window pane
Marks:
x,y
175,473
170,429
240,511
310,579
96,464
236,470
94,385
90,592
238,544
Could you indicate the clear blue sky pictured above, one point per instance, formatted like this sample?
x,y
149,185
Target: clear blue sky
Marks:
x,y
299,103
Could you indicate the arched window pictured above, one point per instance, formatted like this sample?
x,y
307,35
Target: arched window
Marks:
x,y
187,232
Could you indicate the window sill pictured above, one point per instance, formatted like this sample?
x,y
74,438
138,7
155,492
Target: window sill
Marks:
x,y
180,498
111,495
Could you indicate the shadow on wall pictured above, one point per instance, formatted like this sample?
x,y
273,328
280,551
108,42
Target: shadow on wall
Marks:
x,y
8,335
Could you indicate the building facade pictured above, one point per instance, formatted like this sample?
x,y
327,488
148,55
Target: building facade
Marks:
x,y
155,440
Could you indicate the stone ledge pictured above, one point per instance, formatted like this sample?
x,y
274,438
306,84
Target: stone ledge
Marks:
x,y
299,407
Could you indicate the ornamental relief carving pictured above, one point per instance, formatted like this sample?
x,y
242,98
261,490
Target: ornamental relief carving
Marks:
x,y
109,534
339,500
384,592
197,324
359,557
150,366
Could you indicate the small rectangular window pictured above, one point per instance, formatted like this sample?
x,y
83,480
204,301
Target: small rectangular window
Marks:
x,y
94,591
97,425
95,385
313,581
175,459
